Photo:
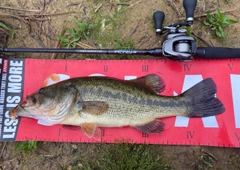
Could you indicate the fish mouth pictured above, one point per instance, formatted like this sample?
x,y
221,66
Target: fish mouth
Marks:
x,y
13,113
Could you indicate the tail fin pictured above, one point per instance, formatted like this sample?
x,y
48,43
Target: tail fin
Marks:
x,y
204,102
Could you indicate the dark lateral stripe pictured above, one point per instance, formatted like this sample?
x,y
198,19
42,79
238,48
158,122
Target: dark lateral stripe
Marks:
x,y
131,98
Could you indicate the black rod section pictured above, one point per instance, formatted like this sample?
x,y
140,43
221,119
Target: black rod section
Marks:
x,y
153,52
217,52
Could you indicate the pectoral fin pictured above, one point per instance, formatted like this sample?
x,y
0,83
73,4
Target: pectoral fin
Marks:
x,y
155,126
91,130
94,107
151,82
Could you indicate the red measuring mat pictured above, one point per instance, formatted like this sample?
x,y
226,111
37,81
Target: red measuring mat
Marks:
x,y
24,76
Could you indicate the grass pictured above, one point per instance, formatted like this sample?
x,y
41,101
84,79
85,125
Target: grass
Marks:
x,y
82,31
132,157
123,44
106,26
26,146
206,160
106,35
120,156
124,156
217,22
103,32
232,160
8,29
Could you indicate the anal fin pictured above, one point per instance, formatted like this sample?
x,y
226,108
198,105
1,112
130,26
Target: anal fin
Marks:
x,y
155,126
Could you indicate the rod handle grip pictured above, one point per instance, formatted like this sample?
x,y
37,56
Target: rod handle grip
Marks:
x,y
217,53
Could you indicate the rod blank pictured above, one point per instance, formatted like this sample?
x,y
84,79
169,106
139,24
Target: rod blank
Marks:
x,y
153,52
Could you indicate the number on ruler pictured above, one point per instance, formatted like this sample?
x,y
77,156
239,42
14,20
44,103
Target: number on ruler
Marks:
x,y
144,68
230,65
187,67
237,136
59,132
190,134
102,132
105,68
145,135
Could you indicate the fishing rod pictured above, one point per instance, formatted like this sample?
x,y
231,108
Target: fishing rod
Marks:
x,y
177,45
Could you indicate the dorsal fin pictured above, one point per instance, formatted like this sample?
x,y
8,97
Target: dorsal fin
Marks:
x,y
151,82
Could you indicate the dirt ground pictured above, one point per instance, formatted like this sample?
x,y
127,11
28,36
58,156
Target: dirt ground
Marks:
x,y
37,22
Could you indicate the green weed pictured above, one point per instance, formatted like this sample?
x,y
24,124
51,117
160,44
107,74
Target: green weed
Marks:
x,y
84,165
188,30
8,29
82,31
105,30
217,22
232,160
124,156
26,146
106,26
206,159
123,44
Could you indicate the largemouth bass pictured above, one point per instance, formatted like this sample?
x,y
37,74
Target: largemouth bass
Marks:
x,y
93,102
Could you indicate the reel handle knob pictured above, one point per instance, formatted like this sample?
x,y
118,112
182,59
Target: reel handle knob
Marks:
x,y
189,6
158,18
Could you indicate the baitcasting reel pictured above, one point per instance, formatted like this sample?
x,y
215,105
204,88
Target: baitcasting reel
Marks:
x,y
177,45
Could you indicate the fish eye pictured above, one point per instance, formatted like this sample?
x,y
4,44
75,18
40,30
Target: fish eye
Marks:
x,y
70,86
40,91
